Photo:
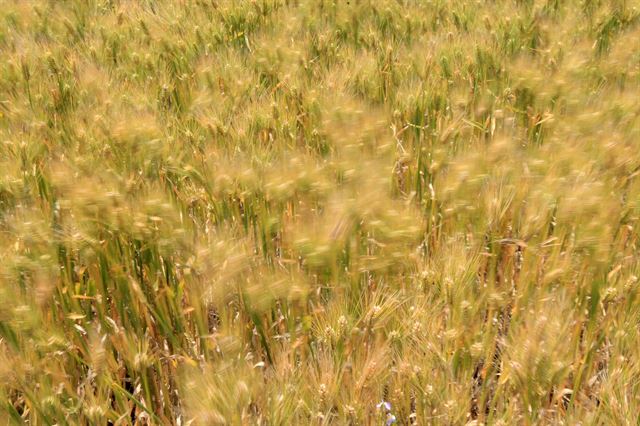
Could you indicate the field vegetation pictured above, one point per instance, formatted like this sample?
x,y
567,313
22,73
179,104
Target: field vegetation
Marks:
x,y
289,212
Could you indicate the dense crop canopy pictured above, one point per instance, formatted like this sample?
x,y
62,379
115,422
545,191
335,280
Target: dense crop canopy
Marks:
x,y
288,212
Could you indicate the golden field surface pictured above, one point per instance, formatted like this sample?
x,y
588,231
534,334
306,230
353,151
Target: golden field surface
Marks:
x,y
323,212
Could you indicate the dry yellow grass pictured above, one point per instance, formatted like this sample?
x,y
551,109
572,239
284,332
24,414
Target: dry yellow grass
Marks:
x,y
285,212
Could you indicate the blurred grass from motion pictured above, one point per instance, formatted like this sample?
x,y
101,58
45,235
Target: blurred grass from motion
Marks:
x,y
284,212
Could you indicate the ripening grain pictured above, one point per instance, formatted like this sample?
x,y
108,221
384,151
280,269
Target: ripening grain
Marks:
x,y
283,212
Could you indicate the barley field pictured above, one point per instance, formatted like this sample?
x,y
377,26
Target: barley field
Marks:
x,y
319,212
